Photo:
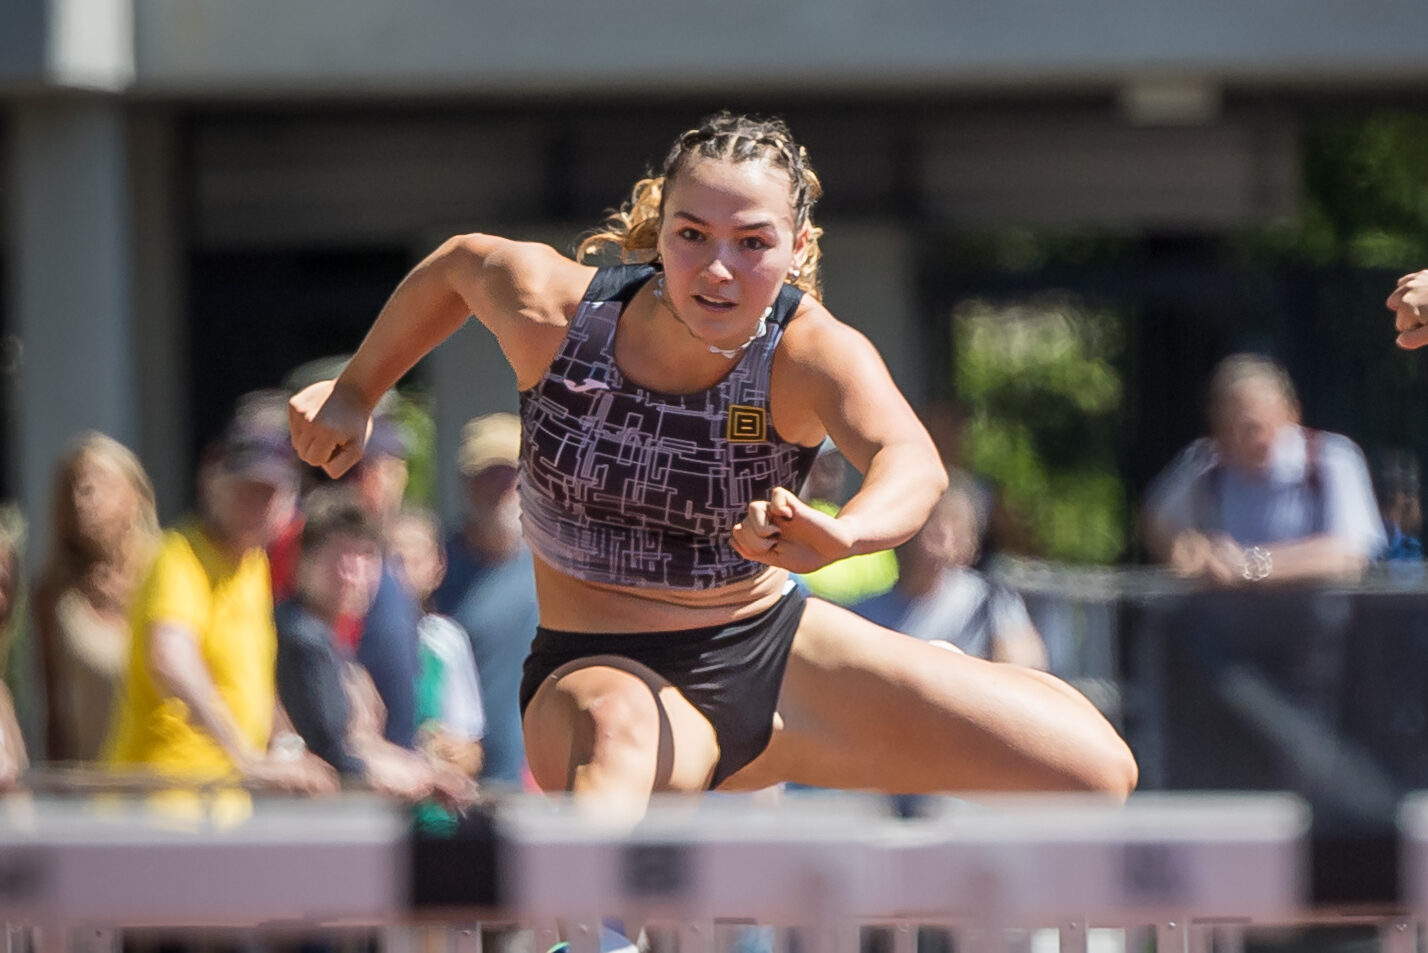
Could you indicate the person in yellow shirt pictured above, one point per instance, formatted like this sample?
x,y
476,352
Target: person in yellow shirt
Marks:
x,y
200,700
854,578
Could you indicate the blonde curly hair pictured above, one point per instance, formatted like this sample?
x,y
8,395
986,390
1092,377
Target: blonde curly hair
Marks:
x,y
632,231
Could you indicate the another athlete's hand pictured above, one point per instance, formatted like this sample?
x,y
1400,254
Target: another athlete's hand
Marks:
x,y
330,426
786,532
1409,303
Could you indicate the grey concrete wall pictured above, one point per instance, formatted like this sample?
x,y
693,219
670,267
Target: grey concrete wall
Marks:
x,y
501,47
71,281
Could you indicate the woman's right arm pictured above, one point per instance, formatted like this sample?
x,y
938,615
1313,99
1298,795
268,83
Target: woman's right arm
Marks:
x,y
523,292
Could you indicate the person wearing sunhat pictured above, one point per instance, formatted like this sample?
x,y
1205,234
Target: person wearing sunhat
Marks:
x,y
199,701
489,586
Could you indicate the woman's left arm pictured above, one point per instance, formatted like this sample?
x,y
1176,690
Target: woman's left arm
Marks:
x,y
829,379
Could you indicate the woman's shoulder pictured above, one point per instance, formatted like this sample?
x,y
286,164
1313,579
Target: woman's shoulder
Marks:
x,y
538,270
814,337
819,349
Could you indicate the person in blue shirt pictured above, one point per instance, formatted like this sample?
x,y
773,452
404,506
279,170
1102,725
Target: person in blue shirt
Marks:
x,y
1397,486
1263,497
489,587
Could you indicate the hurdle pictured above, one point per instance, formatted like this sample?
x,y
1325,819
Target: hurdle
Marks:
x,y
1180,865
834,865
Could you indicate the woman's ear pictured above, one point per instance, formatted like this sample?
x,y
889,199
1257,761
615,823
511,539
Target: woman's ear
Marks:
x,y
800,248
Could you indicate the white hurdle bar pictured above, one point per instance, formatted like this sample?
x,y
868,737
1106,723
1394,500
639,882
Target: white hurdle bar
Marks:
x,y
107,862
829,864
832,864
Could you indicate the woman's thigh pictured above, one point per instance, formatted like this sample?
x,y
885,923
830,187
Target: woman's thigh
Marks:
x,y
584,704
862,707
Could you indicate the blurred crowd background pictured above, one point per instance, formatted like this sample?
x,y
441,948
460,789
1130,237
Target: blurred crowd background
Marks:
x,y
1056,221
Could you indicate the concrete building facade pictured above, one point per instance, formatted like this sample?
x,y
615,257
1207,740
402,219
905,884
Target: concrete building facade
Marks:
x,y
198,194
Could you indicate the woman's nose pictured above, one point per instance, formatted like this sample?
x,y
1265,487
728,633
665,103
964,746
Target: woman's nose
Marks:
x,y
717,269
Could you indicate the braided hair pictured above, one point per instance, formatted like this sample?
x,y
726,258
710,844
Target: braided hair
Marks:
x,y
633,229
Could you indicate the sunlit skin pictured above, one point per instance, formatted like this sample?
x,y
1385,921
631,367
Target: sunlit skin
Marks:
x,y
1409,303
727,244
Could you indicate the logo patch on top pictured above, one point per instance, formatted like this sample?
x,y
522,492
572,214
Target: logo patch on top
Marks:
x,y
746,425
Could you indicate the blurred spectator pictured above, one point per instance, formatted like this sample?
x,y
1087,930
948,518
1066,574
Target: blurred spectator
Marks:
x,y
857,577
383,640
490,586
1396,485
13,758
450,716
103,533
1263,498
332,702
1002,529
200,699
386,640
940,598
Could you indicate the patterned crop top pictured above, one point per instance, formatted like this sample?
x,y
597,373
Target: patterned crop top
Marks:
x,y
619,484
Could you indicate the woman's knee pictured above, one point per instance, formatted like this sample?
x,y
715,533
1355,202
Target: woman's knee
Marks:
x,y
592,717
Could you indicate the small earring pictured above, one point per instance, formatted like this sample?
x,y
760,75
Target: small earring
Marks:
x,y
659,288
794,273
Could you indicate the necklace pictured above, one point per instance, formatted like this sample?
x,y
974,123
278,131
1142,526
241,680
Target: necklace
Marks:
x,y
759,331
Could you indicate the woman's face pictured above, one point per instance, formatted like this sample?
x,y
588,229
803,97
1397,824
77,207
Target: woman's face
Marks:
x,y
727,242
105,502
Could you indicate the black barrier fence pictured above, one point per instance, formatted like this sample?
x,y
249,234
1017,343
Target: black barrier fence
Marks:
x,y
1320,691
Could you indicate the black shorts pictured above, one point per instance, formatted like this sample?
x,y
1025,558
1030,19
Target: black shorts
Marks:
x,y
730,673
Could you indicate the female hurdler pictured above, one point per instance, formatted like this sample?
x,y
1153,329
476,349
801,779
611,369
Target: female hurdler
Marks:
x,y
670,411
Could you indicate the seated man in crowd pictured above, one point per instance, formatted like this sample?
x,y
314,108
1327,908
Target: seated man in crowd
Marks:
x,y
331,700
1263,498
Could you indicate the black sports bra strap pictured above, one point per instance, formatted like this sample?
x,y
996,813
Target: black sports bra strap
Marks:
x,y
618,282
786,305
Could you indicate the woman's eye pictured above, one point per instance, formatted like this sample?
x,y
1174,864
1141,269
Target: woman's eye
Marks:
x,y
754,243
689,234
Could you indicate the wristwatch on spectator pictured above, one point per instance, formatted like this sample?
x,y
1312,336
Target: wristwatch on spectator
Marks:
x,y
289,746
1257,564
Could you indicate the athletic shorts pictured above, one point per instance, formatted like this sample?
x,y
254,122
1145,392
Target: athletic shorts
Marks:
x,y
730,673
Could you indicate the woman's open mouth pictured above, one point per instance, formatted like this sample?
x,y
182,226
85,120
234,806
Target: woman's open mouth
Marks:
x,y
714,304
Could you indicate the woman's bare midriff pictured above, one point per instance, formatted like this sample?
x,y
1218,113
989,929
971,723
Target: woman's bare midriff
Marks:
x,y
574,605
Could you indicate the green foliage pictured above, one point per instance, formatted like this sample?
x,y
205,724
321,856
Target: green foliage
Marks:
x,y
1366,197
411,409
1040,381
